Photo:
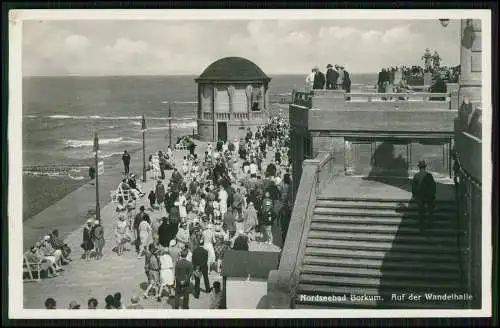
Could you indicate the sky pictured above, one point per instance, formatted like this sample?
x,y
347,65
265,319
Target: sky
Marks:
x,y
187,47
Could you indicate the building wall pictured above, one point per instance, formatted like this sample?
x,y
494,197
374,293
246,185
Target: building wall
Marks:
x,y
243,294
227,98
235,129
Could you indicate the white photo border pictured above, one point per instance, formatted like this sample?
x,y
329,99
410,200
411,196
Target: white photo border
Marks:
x,y
15,203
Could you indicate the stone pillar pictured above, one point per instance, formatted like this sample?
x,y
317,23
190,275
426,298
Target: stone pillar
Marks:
x,y
230,93
348,157
470,85
213,114
470,61
277,294
452,89
428,79
248,92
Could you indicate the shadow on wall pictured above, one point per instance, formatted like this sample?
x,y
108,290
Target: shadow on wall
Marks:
x,y
384,162
385,166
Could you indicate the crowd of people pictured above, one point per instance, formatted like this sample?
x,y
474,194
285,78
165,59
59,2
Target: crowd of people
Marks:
x,y
335,78
228,199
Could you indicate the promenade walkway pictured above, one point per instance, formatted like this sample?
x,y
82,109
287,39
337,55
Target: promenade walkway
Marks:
x,y
82,279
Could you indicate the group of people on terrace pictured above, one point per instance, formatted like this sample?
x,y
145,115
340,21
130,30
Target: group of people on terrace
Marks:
x,y
336,78
52,250
229,199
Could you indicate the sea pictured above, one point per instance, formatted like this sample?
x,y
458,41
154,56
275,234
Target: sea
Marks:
x,y
61,114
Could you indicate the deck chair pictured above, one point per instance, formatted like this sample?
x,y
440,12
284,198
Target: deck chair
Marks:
x,y
32,269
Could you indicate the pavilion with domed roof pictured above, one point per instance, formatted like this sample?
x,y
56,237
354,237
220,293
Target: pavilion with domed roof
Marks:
x,y
232,98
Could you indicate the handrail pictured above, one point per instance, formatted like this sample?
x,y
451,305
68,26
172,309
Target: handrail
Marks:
x,y
282,283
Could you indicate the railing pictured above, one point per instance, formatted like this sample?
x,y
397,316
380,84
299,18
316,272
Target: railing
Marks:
x,y
240,116
234,116
316,173
304,98
415,96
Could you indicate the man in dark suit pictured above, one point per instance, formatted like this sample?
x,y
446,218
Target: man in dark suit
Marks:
x,y
319,80
126,162
424,192
331,77
183,272
200,264
170,198
346,83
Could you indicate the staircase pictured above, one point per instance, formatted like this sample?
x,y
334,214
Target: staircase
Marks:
x,y
374,249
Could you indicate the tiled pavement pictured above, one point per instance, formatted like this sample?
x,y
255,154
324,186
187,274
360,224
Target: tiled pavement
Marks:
x,y
82,279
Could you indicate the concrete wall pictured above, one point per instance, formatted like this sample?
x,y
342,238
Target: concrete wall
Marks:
x,y
243,294
388,121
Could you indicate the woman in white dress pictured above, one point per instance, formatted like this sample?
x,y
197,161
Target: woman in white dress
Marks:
x,y
181,203
208,244
216,206
185,166
145,236
166,272
121,234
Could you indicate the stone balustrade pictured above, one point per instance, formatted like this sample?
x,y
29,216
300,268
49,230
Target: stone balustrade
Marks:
x,y
208,116
316,173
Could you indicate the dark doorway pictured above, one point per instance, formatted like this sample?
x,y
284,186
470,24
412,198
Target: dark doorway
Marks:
x,y
222,131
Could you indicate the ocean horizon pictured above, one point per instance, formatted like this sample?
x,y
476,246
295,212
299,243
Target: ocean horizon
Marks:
x,y
61,114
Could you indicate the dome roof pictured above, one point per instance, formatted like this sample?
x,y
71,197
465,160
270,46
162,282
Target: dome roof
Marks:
x,y
233,69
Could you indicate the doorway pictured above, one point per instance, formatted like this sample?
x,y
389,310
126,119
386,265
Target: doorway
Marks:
x,y
222,131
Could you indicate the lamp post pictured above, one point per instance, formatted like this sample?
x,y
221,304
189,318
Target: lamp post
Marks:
x,y
143,125
169,125
96,150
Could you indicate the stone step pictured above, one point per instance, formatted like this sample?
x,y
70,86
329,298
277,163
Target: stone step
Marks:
x,y
376,282
445,241
380,228
332,261
380,246
401,273
438,222
377,213
396,256
409,207
380,200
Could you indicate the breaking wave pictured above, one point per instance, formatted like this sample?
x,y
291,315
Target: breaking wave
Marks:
x,y
110,118
89,143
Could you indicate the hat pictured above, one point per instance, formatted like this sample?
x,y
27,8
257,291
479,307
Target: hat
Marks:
x,y
97,222
134,299
74,305
46,238
421,164
173,242
337,66
90,220
329,65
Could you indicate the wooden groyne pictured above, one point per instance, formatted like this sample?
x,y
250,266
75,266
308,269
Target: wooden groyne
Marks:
x,y
55,169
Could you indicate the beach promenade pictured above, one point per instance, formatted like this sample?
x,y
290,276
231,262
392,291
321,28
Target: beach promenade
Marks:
x,y
82,279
